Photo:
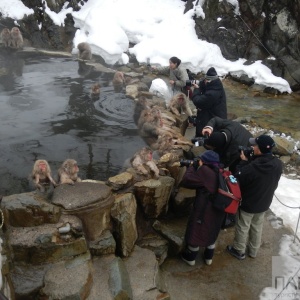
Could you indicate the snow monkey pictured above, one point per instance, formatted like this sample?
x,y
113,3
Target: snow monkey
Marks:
x,y
142,159
16,38
179,103
41,175
85,51
5,37
95,90
68,172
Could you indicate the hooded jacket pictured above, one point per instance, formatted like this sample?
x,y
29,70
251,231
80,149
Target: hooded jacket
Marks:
x,y
258,181
210,101
236,135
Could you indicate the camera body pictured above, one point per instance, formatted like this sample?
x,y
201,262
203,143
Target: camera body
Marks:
x,y
199,141
248,151
188,162
192,120
191,82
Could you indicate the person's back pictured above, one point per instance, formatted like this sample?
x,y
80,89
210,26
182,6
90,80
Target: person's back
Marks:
x,y
225,138
258,180
209,99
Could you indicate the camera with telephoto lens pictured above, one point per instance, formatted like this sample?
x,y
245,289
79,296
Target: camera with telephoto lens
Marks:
x,y
199,141
191,82
248,151
188,162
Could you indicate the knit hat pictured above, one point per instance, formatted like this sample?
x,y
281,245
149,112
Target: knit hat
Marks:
x,y
264,142
210,157
211,74
216,140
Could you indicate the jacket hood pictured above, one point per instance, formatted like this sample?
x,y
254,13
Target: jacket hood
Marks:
x,y
265,163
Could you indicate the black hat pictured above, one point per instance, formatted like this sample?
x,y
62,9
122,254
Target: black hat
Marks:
x,y
210,157
211,74
264,142
216,140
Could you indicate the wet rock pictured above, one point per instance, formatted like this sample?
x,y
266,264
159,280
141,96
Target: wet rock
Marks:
x,y
119,282
106,244
71,279
120,181
29,209
44,244
123,213
90,202
154,195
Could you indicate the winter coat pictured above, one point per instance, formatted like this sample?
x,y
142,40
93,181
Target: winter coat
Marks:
x,y
210,101
179,75
236,135
258,181
205,221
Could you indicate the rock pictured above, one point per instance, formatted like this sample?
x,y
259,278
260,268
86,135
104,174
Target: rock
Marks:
x,y
283,146
123,213
173,231
106,244
155,243
43,244
29,209
71,279
132,91
120,181
183,199
119,282
144,274
90,202
154,195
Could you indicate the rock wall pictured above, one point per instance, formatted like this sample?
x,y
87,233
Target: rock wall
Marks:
x,y
261,30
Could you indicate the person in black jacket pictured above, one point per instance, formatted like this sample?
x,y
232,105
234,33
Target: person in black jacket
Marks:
x,y
210,100
258,180
225,137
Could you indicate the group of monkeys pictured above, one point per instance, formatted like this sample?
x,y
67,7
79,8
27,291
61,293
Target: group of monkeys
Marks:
x,y
42,177
12,38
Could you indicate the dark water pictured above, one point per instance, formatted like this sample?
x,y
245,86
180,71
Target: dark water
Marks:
x,y
46,112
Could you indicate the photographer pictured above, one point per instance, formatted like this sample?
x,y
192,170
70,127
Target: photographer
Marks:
x,y
210,100
178,75
258,178
205,221
225,137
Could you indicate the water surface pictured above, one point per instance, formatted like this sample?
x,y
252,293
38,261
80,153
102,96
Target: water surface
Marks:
x,y
46,112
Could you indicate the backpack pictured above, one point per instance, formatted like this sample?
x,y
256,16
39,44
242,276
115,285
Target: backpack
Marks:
x,y
228,196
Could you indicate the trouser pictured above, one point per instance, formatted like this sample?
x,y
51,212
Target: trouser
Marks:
x,y
248,228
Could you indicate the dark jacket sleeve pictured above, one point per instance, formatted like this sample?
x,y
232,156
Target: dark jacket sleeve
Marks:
x,y
203,101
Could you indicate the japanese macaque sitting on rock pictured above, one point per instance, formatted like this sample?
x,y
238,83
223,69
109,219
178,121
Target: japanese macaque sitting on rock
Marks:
x,y
180,104
41,175
143,159
167,143
68,172
16,38
5,37
85,51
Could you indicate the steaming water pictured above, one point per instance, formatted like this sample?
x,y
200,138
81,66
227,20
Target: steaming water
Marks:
x,y
46,112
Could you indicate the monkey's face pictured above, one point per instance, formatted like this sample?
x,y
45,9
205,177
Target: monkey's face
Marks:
x,y
42,167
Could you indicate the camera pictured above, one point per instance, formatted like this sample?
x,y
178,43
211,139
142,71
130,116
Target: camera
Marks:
x,y
192,120
191,82
248,151
199,141
188,162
